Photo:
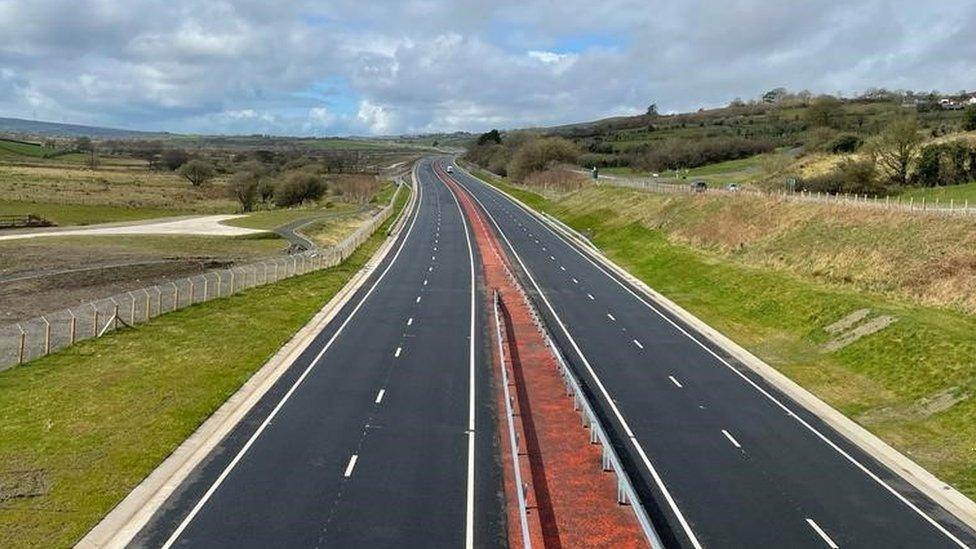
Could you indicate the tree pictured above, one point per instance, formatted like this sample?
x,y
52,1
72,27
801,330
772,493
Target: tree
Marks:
x,y
299,187
197,172
652,109
490,137
969,120
244,188
172,159
895,148
774,95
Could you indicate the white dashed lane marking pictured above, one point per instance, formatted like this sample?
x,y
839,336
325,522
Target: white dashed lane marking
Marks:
x,y
731,439
351,465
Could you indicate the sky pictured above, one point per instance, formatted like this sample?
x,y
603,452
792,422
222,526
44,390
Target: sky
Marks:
x,y
376,67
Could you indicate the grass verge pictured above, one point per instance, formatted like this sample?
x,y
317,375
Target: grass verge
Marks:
x,y
84,214
79,429
911,384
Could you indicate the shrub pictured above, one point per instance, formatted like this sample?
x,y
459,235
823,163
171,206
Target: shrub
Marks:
x,y
540,154
197,172
684,153
844,143
244,188
299,187
945,164
969,119
556,180
172,159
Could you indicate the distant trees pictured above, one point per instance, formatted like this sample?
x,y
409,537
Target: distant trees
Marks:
x,y
83,144
895,148
824,111
489,137
197,172
950,163
677,153
652,109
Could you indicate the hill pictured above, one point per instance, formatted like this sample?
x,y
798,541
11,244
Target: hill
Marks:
x,y
54,129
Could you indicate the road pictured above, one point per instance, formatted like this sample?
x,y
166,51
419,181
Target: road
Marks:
x,y
720,457
382,433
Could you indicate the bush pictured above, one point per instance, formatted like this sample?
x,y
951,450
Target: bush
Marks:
x,y
557,180
944,164
299,187
683,153
244,188
197,172
844,143
172,159
851,176
969,120
540,154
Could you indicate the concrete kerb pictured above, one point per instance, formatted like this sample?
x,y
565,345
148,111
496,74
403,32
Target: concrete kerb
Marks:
x,y
124,521
940,492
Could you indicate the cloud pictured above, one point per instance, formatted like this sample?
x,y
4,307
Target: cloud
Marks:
x,y
427,65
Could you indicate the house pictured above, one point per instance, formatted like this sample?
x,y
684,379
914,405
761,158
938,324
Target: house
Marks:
x,y
971,101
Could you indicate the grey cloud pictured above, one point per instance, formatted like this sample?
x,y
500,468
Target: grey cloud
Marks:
x,y
425,65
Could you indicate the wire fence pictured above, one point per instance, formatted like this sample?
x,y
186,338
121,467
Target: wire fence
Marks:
x,y
947,208
40,336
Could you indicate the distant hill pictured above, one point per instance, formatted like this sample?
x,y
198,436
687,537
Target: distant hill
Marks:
x,y
53,129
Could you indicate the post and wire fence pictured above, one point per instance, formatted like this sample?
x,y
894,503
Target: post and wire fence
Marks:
x,y
943,207
40,336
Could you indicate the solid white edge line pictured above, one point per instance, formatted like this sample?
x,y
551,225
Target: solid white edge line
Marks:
x,y
379,396
613,406
469,515
756,386
816,527
351,465
274,412
729,436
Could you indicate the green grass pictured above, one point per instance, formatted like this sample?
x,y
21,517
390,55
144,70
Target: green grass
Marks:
x,y
882,381
959,193
93,420
84,214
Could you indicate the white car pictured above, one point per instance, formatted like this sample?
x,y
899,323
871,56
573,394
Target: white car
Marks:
x,y
450,169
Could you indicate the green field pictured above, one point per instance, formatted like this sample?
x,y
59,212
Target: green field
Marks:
x,y
910,384
84,426
957,193
84,214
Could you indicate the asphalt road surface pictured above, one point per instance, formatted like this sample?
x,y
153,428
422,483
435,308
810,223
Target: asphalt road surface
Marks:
x,y
720,457
382,433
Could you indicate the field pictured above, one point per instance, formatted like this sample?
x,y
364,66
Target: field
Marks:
x,y
772,277
84,426
957,193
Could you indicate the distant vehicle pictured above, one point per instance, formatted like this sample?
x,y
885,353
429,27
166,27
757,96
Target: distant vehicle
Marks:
x,y
450,168
733,187
699,186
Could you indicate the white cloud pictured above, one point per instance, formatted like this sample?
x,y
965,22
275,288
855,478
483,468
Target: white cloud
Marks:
x,y
425,65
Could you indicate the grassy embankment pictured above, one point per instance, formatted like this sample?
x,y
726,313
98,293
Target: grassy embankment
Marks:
x,y
773,275
82,427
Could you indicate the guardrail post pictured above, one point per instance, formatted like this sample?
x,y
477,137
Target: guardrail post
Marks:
x,y
94,320
206,286
72,323
231,271
145,317
190,281
159,301
176,296
132,308
220,282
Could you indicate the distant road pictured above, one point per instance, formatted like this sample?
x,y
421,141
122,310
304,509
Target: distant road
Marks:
x,y
201,225
380,434
724,459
